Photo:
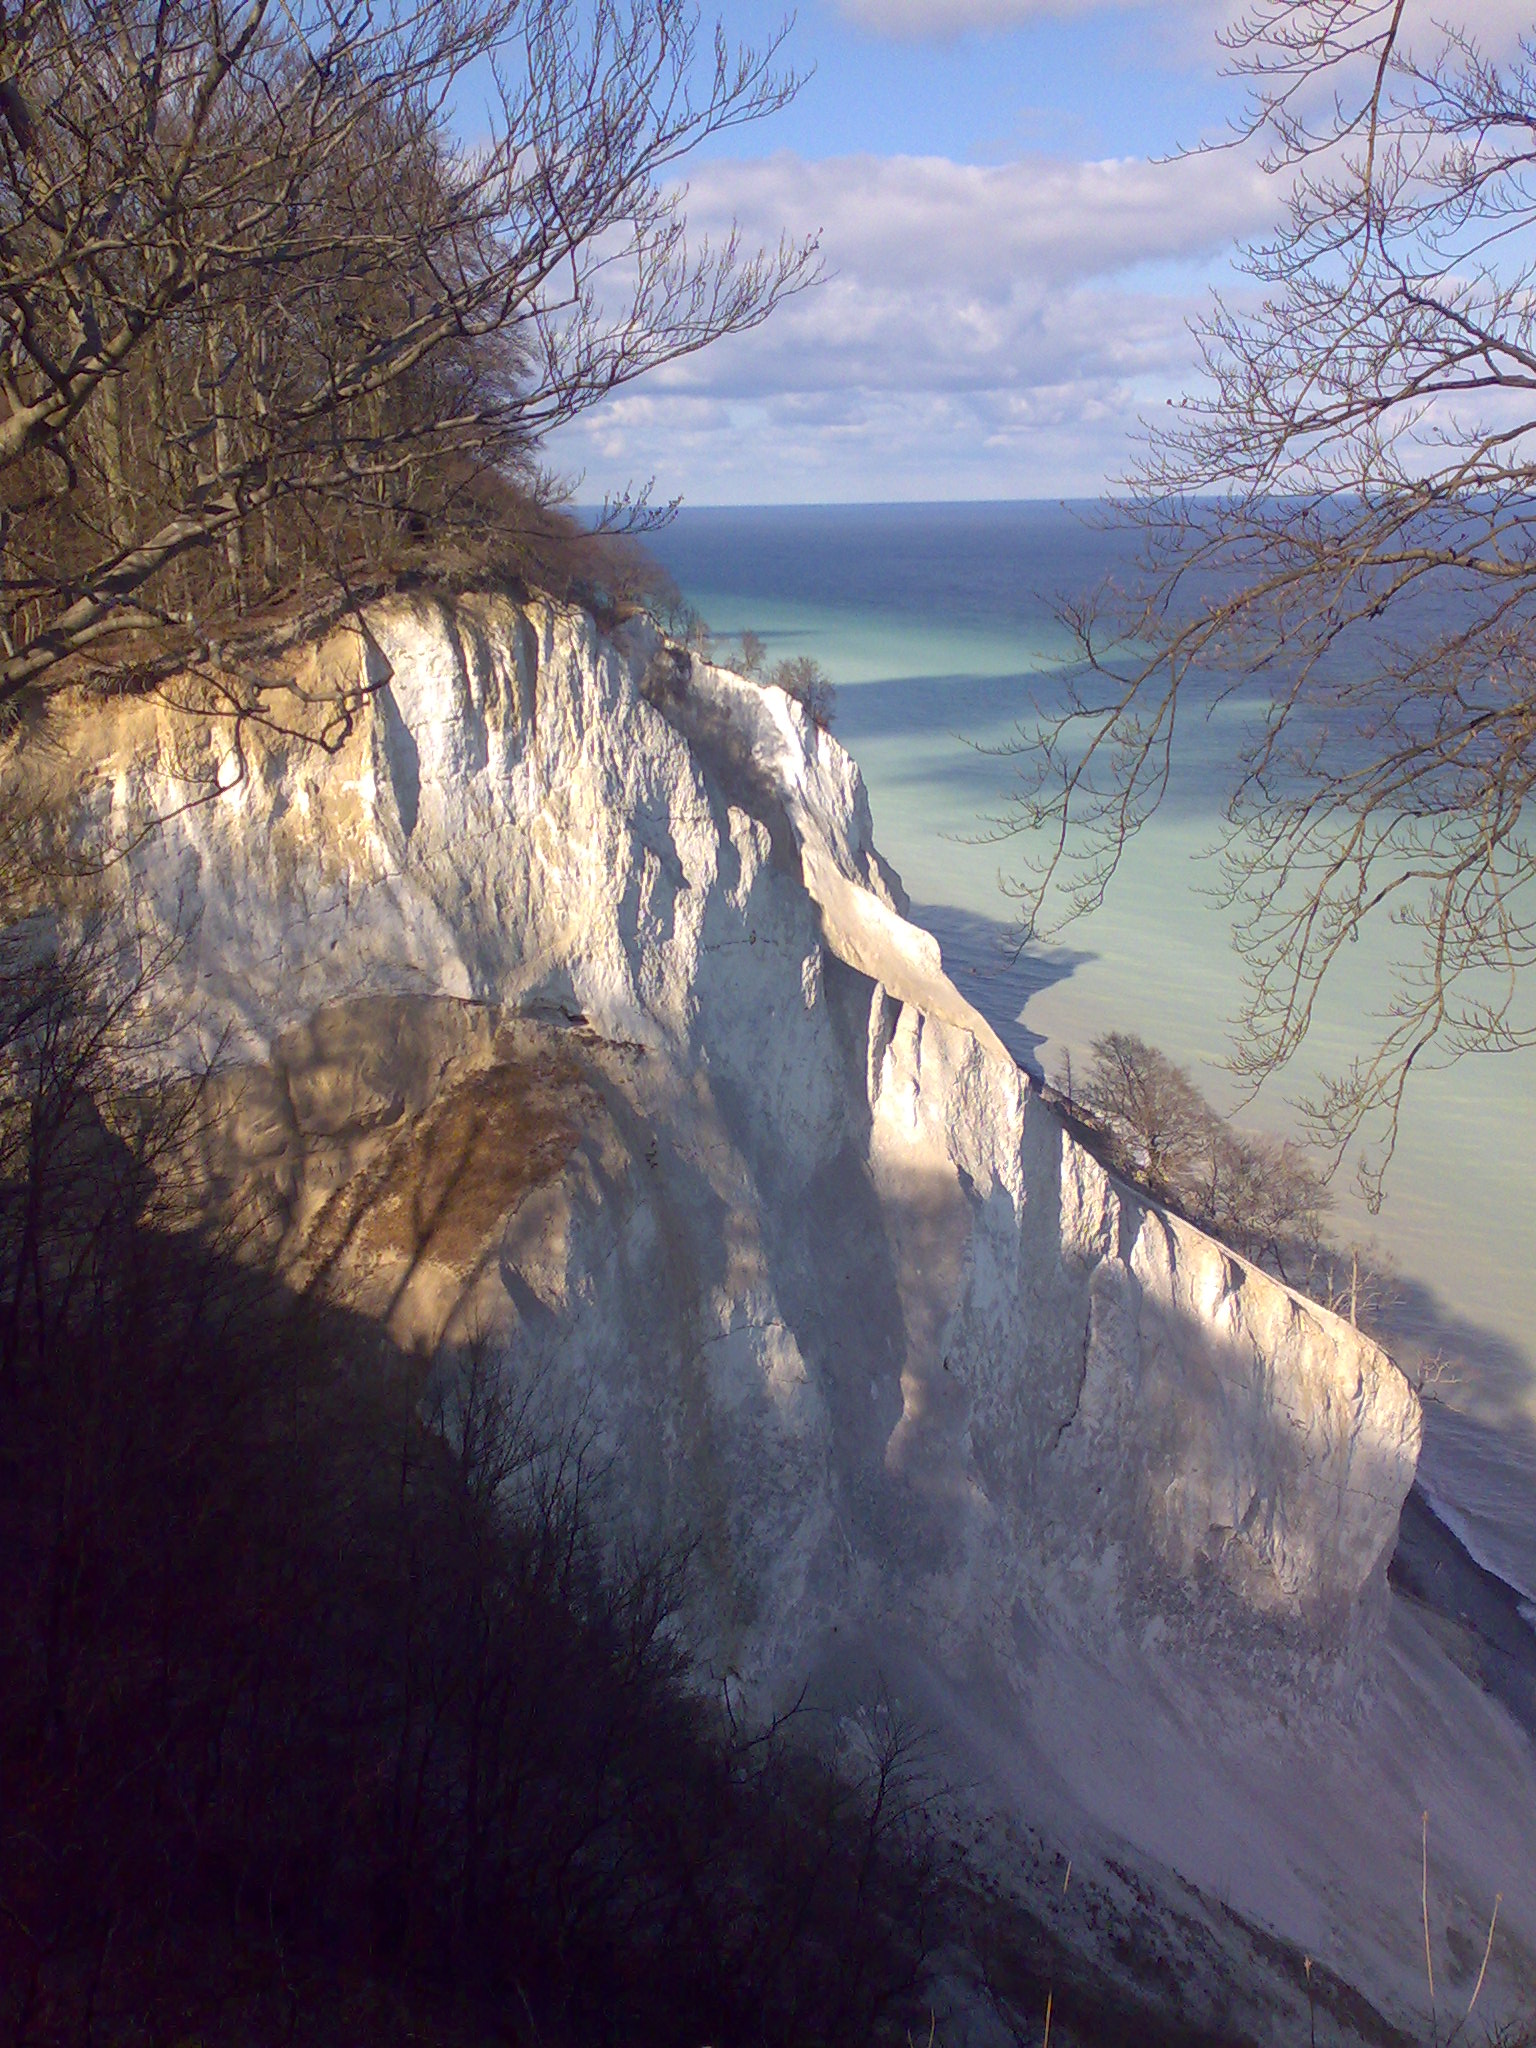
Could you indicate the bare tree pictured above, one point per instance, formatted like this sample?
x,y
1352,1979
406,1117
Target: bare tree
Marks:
x,y
1262,1195
805,680
268,319
1159,1116
1337,529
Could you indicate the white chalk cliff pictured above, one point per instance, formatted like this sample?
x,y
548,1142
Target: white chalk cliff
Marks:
x,y
575,1011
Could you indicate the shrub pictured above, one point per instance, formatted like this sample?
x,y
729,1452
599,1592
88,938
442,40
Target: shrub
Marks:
x,y
808,683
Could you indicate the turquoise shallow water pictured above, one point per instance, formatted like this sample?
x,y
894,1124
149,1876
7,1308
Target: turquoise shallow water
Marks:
x,y
936,625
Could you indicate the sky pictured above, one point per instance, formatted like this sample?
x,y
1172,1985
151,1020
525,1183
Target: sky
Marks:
x,y
1012,254
1014,250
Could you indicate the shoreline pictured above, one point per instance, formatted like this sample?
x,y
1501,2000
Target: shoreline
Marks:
x,y
1454,1518
1484,1621
1474,1614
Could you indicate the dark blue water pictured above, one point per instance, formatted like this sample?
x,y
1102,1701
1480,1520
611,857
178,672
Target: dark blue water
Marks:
x,y
980,564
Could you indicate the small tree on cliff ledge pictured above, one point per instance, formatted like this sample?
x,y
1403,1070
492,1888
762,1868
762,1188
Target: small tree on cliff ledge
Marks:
x,y
267,320
1342,526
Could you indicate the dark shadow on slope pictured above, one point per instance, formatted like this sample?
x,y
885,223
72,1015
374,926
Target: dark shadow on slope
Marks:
x,y
832,1265
324,1715
1478,1622
1126,1949
1477,1470
727,752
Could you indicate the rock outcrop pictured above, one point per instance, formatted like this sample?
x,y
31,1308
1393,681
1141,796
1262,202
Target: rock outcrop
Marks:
x,y
575,1011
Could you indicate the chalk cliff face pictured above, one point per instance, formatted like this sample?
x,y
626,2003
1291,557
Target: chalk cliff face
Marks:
x,y
576,1012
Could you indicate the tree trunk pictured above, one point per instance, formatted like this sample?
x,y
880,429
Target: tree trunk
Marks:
x,y
223,458
113,465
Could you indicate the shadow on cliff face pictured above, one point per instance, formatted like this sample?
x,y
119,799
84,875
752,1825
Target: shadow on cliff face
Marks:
x,y
832,1268
451,1169
325,1710
1135,1449
715,737
326,1713
1479,1453
328,1709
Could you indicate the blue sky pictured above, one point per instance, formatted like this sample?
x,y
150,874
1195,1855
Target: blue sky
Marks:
x,y
1013,250
1108,83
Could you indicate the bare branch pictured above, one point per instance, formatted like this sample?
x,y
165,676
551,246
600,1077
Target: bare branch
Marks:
x,y
266,323
1337,539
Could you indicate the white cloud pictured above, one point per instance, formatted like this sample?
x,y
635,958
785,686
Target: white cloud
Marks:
x,y
929,223
981,331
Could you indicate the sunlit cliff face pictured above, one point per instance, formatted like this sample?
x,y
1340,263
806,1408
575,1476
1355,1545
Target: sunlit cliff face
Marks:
x,y
570,1008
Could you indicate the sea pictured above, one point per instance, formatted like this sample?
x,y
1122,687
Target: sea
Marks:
x,y
940,627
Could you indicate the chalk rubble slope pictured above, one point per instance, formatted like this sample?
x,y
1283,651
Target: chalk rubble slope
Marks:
x,y
837,1285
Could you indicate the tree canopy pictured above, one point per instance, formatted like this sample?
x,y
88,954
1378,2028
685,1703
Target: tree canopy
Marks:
x,y
291,295
1338,525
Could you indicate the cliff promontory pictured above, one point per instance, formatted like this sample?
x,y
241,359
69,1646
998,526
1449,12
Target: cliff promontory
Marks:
x,y
838,1283
565,1006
